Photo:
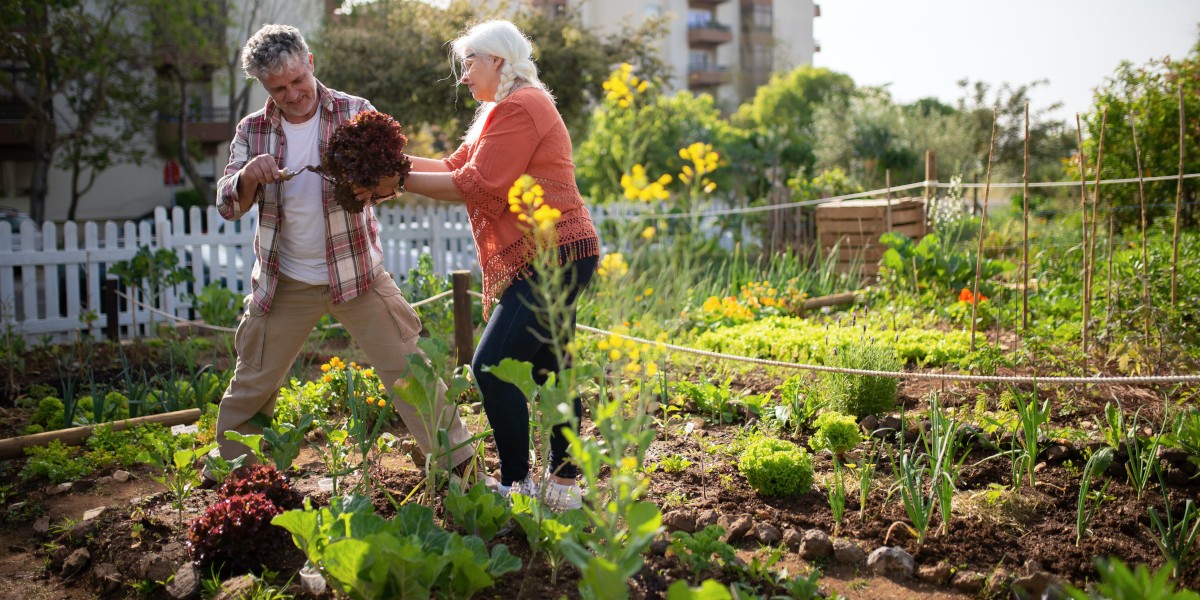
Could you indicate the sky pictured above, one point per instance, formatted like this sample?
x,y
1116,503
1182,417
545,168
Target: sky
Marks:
x,y
922,48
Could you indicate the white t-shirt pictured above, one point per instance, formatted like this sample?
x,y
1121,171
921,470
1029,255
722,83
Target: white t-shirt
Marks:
x,y
302,231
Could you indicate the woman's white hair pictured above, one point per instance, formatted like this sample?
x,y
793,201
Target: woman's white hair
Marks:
x,y
500,39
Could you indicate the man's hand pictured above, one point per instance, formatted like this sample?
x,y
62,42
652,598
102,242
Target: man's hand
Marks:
x,y
261,170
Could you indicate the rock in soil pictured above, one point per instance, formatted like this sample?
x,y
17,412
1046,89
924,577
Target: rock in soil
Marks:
x,y
76,562
1038,584
107,578
767,534
815,544
186,584
792,539
969,582
706,518
659,547
55,490
892,562
94,513
938,573
736,528
41,525
847,552
236,588
678,520
121,476
1058,453
156,567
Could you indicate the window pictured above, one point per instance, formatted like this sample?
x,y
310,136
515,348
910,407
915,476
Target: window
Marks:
x,y
699,18
698,60
763,18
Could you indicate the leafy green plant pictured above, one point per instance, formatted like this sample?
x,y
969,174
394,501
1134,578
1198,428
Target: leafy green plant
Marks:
x,y
1089,502
1176,538
862,395
696,551
546,531
864,470
55,461
335,452
714,400
933,265
151,272
298,399
1032,417
285,440
943,445
836,433
799,402
776,467
366,556
1185,435
1117,582
252,441
178,472
1142,454
218,469
912,475
260,479
217,305
674,464
479,511
836,489
710,589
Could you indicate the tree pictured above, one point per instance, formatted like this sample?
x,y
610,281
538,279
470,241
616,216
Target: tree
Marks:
x,y
82,52
246,17
1151,93
1050,141
781,114
408,74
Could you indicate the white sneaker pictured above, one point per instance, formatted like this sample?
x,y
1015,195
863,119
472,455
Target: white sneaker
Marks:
x,y
561,497
525,487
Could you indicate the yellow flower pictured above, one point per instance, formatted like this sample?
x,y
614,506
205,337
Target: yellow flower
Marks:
x,y
651,369
326,367
382,403
648,233
614,354
353,365
370,399
649,291
613,264
368,372
603,345
327,378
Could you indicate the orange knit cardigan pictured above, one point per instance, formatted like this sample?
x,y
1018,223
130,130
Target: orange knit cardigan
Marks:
x,y
524,134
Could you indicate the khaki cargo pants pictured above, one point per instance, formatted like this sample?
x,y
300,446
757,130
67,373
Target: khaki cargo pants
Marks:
x,y
379,320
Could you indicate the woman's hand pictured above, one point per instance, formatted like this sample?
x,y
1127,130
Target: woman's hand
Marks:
x,y
386,188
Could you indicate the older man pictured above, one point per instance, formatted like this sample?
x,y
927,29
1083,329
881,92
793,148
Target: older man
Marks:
x,y
313,257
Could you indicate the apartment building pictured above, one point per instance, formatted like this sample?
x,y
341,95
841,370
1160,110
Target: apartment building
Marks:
x,y
726,48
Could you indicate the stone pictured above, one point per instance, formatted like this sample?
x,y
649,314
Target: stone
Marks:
x,y
475,408
792,539
969,582
107,578
1038,584
892,562
236,588
76,562
847,552
186,584
659,547
17,507
706,518
736,528
1038,468
83,485
156,567
870,423
59,556
106,480
767,533
121,476
938,574
999,580
55,490
93,513
41,525
815,544
679,520
1058,452
79,531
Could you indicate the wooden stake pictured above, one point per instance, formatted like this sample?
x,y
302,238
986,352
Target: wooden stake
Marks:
x,y
1137,154
887,179
1090,275
983,226
1083,250
1025,231
1178,201
1108,312
464,329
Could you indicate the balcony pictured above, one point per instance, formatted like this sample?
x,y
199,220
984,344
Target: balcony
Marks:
x,y
207,127
709,34
705,3
708,75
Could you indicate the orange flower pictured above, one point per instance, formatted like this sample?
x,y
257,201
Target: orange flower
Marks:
x,y
965,295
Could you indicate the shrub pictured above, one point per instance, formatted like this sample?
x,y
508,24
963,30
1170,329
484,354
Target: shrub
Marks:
x,y
836,433
56,462
234,532
777,467
862,395
261,479
48,416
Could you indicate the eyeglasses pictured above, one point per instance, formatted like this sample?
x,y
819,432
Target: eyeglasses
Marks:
x,y
467,63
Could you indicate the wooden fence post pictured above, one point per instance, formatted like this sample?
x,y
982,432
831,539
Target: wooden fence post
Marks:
x,y
464,329
930,175
112,316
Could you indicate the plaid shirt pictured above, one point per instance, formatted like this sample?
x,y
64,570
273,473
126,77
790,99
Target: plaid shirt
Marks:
x,y
348,236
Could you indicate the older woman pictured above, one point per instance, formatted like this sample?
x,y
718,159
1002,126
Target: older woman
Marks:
x,y
517,130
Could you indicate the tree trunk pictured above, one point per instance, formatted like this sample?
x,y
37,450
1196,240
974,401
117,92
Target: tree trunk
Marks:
x,y
43,158
185,156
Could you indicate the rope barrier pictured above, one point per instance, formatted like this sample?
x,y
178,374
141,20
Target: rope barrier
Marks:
x,y
1043,184
1097,380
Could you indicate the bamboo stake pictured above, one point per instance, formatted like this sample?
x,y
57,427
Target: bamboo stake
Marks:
x,y
983,226
887,178
1178,201
1109,293
1137,154
1083,208
1025,231
1090,276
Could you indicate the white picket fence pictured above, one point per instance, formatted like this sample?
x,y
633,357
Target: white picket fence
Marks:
x,y
48,279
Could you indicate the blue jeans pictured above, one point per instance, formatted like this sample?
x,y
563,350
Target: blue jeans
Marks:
x,y
515,332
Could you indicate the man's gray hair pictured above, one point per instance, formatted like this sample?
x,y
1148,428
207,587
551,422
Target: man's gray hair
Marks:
x,y
272,49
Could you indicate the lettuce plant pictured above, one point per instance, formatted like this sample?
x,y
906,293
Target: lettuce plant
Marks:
x,y
260,479
836,433
777,467
234,532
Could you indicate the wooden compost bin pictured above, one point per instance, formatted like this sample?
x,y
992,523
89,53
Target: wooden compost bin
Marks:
x,y
854,227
